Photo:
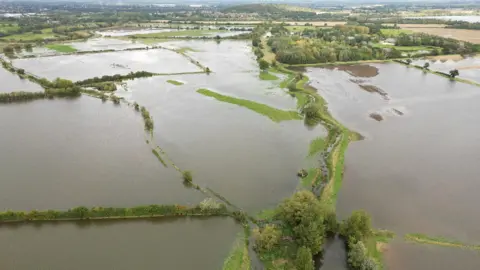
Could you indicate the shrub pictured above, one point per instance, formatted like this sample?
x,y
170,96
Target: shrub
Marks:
x,y
187,176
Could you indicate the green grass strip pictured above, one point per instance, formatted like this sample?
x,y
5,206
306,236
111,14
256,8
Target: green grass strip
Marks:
x,y
316,146
439,241
275,115
61,48
238,258
175,82
266,76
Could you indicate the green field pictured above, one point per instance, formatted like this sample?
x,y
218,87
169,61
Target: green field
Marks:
x,y
394,32
61,48
266,76
4,28
46,33
275,115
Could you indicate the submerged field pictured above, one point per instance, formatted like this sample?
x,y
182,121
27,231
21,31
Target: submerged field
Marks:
x,y
402,172
11,83
80,67
145,244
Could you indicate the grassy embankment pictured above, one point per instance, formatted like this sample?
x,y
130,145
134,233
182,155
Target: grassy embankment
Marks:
x,y
238,259
177,83
275,115
439,241
61,48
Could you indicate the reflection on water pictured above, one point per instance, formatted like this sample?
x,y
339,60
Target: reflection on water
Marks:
x,y
414,172
147,244
66,153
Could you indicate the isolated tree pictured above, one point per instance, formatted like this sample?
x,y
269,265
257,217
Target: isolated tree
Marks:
x,y
187,176
454,73
207,70
426,65
263,64
409,61
21,71
304,260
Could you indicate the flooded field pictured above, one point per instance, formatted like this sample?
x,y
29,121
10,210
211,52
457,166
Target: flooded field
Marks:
x,y
240,154
128,32
152,244
415,171
13,83
67,153
98,44
79,67
469,68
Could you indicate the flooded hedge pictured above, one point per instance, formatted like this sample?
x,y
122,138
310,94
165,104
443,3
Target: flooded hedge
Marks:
x,y
84,213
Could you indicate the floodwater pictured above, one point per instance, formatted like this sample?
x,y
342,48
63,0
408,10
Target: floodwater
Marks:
x,y
469,68
99,44
80,67
67,153
12,83
128,32
471,19
141,244
416,171
244,156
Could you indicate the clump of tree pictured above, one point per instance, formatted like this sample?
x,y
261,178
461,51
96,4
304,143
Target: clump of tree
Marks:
x,y
356,230
454,73
303,260
116,77
148,122
187,177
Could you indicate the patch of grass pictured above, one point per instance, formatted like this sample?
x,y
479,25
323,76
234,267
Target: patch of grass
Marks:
x,y
61,48
266,76
275,115
175,82
316,145
266,214
238,258
29,36
394,32
312,176
384,236
439,241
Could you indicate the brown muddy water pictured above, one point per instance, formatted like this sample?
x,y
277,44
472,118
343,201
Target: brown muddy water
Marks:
x,y
80,67
244,156
142,244
416,171
58,154
13,83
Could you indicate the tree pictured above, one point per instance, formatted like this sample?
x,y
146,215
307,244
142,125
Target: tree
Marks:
x,y
304,215
267,238
426,65
358,257
357,227
8,50
409,61
263,64
21,71
187,176
207,70
304,260
454,73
